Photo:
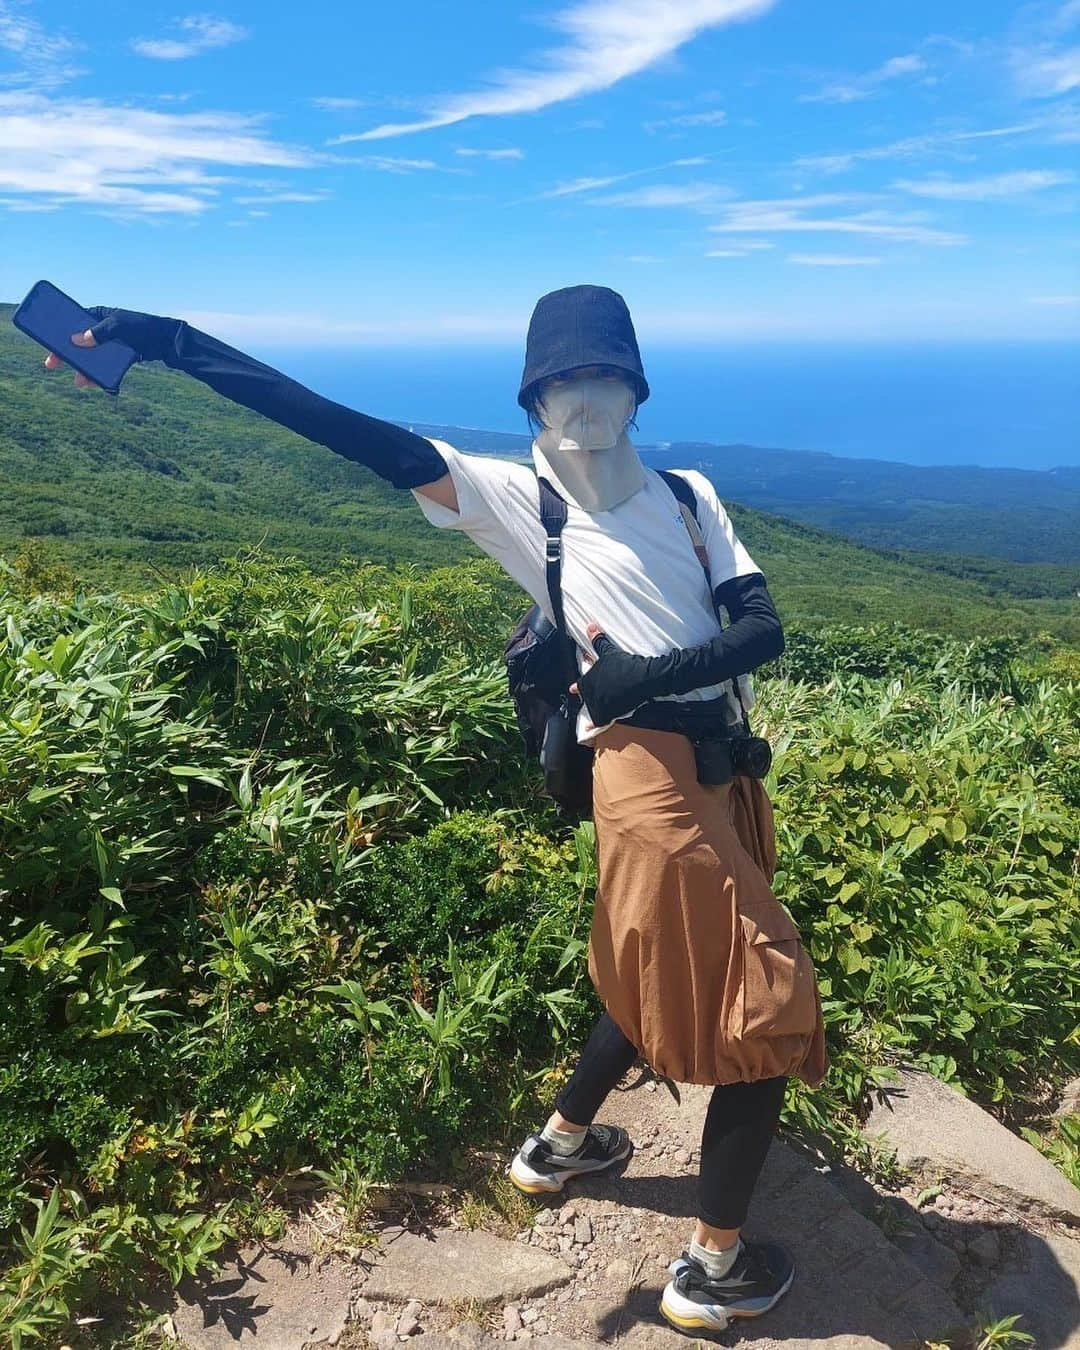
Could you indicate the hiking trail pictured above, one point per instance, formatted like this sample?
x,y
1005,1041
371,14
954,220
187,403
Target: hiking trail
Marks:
x,y
872,1270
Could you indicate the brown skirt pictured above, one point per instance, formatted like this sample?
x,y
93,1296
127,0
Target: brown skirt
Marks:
x,y
693,956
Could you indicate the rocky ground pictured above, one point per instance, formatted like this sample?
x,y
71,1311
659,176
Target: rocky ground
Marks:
x,y
586,1268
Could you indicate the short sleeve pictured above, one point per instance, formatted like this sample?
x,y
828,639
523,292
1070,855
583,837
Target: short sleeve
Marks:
x,y
498,509
728,556
481,484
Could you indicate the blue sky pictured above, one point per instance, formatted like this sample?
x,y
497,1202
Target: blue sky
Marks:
x,y
750,169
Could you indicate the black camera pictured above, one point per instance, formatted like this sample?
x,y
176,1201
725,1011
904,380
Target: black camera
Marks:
x,y
718,761
751,755
712,759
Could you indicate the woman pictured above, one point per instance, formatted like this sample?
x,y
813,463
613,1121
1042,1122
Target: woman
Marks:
x,y
699,968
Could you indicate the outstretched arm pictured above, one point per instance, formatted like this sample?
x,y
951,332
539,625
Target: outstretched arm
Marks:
x,y
401,457
618,682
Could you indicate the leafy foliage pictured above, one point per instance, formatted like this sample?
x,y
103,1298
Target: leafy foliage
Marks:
x,y
277,892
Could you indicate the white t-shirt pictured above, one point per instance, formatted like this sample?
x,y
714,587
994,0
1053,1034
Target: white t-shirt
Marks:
x,y
632,570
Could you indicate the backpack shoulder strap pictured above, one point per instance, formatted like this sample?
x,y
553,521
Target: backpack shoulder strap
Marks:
x,y
685,495
680,488
687,499
553,518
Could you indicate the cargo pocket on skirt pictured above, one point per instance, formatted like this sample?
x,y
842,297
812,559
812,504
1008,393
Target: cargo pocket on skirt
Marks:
x,y
778,988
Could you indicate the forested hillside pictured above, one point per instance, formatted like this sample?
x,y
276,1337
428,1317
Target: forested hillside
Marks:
x,y
168,476
1018,514
1024,515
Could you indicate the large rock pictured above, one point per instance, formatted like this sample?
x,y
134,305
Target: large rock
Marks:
x,y
1043,1285
940,1264
1070,1099
934,1129
449,1265
280,1296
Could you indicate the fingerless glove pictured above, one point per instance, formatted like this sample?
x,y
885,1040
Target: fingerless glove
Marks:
x,y
618,681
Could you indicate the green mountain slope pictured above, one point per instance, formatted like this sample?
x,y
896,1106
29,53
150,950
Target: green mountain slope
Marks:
x,y
1021,514
168,476
1024,515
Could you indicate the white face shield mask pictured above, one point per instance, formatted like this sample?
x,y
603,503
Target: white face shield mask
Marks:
x,y
583,448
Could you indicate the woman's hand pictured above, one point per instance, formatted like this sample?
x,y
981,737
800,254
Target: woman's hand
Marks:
x,y
53,362
616,682
150,336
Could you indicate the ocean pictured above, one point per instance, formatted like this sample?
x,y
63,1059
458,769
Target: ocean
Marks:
x,y
995,404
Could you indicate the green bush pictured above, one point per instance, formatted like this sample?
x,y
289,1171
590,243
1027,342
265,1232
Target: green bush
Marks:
x,y
278,892
458,882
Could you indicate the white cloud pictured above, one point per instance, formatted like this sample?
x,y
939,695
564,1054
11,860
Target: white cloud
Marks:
x,y
128,159
593,184
605,41
789,216
268,197
511,152
328,104
832,260
993,187
1041,66
863,86
910,147
666,195
43,59
716,117
740,248
576,185
398,164
1044,73
202,33
21,204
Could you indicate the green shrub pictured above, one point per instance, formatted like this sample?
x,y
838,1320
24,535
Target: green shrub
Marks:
x,y
277,891
457,882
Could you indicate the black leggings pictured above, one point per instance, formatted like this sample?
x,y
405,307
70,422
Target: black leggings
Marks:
x,y
739,1124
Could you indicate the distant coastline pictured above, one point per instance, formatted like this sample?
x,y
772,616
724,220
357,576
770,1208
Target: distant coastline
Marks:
x,y
990,405
1026,515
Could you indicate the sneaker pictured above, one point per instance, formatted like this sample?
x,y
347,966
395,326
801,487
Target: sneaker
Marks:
x,y
762,1274
537,1169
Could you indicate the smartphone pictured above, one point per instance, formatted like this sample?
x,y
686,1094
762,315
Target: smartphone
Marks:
x,y
50,317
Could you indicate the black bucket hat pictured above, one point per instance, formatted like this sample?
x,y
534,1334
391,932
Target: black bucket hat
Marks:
x,y
580,326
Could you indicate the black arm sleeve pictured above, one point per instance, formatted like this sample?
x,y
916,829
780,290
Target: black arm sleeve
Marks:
x,y
754,636
403,458
618,682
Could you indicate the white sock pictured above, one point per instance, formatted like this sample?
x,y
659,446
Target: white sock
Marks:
x,y
717,1264
563,1142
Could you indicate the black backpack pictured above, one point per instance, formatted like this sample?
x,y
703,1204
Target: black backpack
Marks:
x,y
541,664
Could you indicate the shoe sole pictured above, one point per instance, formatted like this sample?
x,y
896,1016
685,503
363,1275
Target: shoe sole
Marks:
x,y
697,1324
536,1183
